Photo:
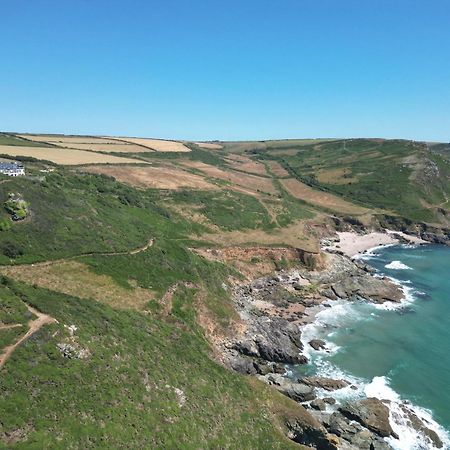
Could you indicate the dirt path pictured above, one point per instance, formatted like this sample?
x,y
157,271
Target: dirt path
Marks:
x,y
166,299
9,326
143,248
71,258
271,214
34,326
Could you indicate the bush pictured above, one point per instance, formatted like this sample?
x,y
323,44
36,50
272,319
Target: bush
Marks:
x,y
12,250
5,225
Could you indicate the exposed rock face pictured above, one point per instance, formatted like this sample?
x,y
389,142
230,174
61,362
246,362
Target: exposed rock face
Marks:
x,y
310,432
378,290
296,391
371,413
317,344
328,384
353,435
347,279
272,339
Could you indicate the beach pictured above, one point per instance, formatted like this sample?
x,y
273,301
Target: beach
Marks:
x,y
353,244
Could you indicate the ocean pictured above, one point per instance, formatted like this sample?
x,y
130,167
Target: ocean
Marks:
x,y
398,353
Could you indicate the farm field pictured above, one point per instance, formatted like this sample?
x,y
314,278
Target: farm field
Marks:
x,y
246,164
277,169
65,156
118,147
322,199
252,182
158,145
55,138
162,177
209,145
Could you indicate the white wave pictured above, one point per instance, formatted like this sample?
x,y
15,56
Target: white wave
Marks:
x,y
372,252
397,265
408,296
408,437
340,314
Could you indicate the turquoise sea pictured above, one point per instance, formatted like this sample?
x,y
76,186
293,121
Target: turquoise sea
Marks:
x,y
401,353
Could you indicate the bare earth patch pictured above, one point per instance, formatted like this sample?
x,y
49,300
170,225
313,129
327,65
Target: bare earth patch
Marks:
x,y
165,177
253,262
298,235
158,145
277,169
252,182
66,156
75,278
246,164
323,199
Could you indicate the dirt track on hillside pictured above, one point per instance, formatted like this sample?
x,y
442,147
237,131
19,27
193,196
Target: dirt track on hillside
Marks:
x,y
34,326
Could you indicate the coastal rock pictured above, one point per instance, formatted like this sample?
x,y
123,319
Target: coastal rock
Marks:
x,y
295,391
371,413
243,365
277,340
353,435
344,278
416,423
339,425
329,384
318,404
306,430
317,344
364,285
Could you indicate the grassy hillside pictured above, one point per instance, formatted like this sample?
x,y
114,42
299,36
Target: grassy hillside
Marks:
x,y
141,382
126,362
403,177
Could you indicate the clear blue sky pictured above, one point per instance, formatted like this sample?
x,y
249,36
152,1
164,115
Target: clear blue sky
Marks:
x,y
228,69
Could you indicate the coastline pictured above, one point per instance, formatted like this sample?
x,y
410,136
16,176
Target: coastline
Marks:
x,y
276,329
354,244
414,426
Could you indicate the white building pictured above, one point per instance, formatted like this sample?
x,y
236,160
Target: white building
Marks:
x,y
12,169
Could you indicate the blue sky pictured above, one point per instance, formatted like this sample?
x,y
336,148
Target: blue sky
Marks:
x,y
234,69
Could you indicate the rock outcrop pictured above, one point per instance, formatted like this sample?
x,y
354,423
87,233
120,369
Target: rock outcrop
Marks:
x,y
296,391
329,384
371,413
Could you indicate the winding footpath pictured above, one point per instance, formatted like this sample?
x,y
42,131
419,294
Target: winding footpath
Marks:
x,y
34,326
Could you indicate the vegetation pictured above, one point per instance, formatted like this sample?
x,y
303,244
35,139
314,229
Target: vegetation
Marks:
x,y
7,139
144,377
145,382
398,176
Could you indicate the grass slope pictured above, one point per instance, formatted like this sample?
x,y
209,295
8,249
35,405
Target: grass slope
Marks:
x,y
147,383
399,176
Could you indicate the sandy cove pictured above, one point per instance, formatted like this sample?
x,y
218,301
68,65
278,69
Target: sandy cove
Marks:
x,y
353,244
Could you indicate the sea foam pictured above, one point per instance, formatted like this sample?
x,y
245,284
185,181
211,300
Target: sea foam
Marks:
x,y
408,437
397,265
341,314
